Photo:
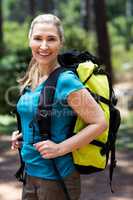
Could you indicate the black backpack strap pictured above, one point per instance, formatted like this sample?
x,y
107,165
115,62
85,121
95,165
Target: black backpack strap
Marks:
x,y
20,175
45,114
46,102
112,166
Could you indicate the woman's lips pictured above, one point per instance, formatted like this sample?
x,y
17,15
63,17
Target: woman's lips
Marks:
x,y
44,54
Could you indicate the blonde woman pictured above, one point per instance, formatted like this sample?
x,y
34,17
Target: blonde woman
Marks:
x,y
46,38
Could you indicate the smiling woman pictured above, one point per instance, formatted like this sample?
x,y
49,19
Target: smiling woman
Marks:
x,y
46,37
42,177
45,44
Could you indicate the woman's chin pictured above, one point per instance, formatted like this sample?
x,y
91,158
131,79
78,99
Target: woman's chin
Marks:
x,y
43,61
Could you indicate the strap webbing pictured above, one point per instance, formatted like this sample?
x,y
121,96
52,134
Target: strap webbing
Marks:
x,y
112,166
98,98
45,113
20,175
46,101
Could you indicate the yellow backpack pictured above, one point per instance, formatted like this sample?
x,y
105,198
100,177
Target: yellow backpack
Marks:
x,y
94,156
91,155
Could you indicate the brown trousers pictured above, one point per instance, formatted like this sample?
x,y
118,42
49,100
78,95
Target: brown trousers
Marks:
x,y
40,189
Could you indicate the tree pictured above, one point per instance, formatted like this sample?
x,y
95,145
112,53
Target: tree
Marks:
x,y
48,6
1,30
129,20
102,35
32,7
86,14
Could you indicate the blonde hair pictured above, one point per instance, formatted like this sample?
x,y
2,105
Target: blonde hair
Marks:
x,y
32,74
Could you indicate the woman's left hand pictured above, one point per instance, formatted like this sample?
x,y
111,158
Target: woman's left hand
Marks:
x,y
48,149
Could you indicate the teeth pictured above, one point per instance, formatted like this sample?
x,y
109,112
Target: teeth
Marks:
x,y
44,54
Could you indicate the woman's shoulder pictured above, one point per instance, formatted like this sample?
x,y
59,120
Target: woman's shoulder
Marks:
x,y
68,75
68,82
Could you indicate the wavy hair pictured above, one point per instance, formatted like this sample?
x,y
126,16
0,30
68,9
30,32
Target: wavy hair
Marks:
x,y
32,74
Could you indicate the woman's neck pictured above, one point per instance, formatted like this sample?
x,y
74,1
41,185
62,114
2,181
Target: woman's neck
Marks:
x,y
46,70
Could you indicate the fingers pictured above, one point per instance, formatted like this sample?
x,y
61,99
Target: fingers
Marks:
x,y
42,145
16,135
47,149
15,144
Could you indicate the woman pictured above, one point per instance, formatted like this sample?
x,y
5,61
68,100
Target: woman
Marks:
x,y
45,40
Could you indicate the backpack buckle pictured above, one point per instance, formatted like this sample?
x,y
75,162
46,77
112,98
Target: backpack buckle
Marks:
x,y
43,113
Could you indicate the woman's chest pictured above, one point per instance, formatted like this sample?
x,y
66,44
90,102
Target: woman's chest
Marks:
x,y
28,103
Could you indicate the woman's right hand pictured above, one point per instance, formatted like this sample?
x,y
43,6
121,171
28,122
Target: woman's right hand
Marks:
x,y
15,140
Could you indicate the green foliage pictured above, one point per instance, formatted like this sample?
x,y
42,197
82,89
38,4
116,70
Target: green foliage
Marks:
x,y
7,124
70,12
15,10
121,24
77,38
121,31
7,5
115,38
122,60
121,43
11,67
115,8
15,35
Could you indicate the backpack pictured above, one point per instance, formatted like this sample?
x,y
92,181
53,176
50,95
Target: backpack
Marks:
x,y
94,156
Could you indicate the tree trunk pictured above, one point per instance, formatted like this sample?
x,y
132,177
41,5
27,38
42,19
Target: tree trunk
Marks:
x,y
87,14
1,31
102,35
48,6
32,8
128,36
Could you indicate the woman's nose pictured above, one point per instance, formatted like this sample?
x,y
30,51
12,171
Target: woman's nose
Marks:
x,y
44,45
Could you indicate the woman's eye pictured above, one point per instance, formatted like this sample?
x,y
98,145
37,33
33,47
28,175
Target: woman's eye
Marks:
x,y
51,39
37,38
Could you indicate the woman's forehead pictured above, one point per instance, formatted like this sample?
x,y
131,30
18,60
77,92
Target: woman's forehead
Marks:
x,y
44,28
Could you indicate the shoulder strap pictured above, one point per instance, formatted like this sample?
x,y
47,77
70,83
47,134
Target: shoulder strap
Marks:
x,y
46,101
20,175
45,113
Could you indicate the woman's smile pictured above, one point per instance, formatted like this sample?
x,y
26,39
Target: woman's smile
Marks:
x,y
45,44
43,54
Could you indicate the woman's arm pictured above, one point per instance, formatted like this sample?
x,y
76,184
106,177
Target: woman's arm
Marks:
x,y
86,107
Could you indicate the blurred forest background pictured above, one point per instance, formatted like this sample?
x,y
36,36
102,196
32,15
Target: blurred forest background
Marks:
x,y
102,27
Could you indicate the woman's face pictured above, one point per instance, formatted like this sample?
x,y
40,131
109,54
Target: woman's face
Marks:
x,y
45,44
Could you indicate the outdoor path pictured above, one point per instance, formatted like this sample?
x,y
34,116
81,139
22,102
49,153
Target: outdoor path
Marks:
x,y
94,187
